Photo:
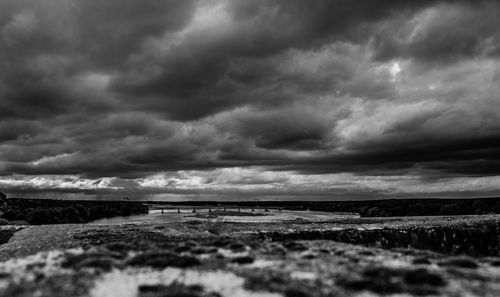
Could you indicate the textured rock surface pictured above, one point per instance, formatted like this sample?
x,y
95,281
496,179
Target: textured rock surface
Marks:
x,y
183,259
6,232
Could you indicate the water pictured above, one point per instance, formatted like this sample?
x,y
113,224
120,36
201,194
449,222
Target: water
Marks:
x,y
171,215
154,216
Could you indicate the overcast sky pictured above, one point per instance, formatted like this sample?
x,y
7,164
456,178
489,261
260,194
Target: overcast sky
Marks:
x,y
245,99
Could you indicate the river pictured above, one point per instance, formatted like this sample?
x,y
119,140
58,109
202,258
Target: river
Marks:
x,y
258,216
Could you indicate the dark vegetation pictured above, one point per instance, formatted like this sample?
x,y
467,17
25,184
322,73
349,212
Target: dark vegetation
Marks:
x,y
243,260
47,211
385,280
480,239
163,260
5,235
90,260
174,290
372,208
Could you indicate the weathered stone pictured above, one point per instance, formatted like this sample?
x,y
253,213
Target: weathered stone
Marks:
x,y
162,260
155,262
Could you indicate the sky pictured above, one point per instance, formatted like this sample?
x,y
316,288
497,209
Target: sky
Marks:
x,y
250,99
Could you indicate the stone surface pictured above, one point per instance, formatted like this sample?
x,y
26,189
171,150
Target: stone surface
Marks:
x,y
247,260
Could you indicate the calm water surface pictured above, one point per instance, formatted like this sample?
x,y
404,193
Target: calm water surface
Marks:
x,y
171,215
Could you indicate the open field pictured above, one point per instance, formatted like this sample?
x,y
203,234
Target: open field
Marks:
x,y
417,256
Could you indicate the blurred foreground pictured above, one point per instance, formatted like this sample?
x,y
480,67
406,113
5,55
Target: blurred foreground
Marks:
x,y
419,256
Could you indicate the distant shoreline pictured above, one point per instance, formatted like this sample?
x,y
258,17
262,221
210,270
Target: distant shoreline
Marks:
x,y
365,208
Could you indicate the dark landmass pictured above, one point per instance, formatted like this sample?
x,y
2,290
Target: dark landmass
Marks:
x,y
371,208
48,211
20,211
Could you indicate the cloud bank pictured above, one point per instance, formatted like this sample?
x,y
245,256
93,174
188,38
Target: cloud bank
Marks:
x,y
251,99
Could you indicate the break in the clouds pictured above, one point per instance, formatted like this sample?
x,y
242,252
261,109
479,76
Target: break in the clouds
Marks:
x,y
250,99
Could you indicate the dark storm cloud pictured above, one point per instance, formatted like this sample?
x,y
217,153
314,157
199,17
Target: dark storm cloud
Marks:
x,y
132,88
46,47
198,69
17,129
451,158
277,129
443,33
110,31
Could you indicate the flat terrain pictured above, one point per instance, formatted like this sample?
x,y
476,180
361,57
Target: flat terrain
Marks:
x,y
415,256
229,215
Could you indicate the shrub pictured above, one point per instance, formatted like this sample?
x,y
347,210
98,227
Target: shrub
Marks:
x,y
10,215
39,216
18,223
70,214
450,209
125,211
82,212
215,227
20,217
40,211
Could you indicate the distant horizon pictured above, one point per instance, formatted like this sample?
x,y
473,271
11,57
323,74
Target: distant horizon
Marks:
x,y
297,199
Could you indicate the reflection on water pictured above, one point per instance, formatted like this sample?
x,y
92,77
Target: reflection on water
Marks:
x,y
154,216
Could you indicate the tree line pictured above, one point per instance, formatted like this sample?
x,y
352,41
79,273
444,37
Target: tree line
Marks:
x,y
372,208
47,211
